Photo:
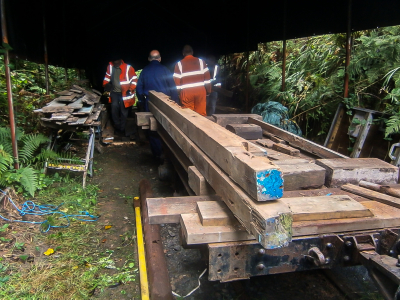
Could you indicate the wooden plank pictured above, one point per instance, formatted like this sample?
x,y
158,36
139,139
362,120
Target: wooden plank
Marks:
x,y
77,104
84,111
367,193
266,143
225,119
153,124
286,149
340,171
80,121
277,140
72,119
76,91
246,131
358,145
196,233
271,226
65,93
175,150
385,189
323,192
215,213
302,176
198,183
295,161
314,208
67,98
94,116
297,141
143,118
59,116
384,217
168,210
325,208
55,109
256,175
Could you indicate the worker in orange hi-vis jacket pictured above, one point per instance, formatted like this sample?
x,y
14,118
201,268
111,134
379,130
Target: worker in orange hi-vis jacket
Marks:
x,y
120,80
192,80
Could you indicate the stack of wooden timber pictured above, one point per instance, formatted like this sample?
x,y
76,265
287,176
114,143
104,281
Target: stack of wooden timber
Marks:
x,y
207,219
242,180
213,159
74,107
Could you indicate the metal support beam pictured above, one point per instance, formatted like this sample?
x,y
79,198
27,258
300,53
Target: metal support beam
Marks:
x,y
8,83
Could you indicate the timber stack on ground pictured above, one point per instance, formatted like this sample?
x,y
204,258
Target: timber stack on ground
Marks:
x,y
74,107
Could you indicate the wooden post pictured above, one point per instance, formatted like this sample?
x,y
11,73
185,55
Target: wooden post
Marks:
x,y
247,81
340,111
8,84
46,60
348,51
284,66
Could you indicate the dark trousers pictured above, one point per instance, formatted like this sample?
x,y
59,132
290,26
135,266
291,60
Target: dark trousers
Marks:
x,y
211,103
119,112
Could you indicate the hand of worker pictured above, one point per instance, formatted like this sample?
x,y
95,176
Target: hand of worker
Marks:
x,y
108,87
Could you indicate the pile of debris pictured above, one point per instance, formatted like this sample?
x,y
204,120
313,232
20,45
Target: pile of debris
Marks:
x,y
74,107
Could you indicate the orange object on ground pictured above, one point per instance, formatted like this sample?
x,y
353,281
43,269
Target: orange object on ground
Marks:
x,y
192,78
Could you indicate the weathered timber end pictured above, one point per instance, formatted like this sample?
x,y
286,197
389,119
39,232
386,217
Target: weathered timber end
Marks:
x,y
342,171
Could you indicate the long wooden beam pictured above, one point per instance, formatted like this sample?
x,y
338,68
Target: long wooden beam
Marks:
x,y
297,141
270,222
257,175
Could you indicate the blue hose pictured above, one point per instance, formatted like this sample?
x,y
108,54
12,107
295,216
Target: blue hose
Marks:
x,y
30,208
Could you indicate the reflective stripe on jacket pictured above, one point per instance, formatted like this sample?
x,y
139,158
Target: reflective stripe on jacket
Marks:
x,y
192,72
127,79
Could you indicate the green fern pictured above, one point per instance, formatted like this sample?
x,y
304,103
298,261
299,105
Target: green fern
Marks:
x,y
28,179
6,160
30,144
392,125
30,156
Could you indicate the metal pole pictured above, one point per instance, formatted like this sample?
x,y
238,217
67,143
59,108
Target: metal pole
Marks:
x,y
348,51
46,61
8,83
284,66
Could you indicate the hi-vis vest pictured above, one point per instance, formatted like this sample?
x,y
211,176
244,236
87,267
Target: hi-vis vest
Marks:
x,y
127,79
192,72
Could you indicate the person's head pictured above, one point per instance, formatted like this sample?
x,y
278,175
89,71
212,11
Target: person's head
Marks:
x,y
154,55
187,50
117,62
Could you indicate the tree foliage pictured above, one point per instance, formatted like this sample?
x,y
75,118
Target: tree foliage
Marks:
x,y
315,72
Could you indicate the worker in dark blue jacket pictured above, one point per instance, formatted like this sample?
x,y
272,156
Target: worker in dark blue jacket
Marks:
x,y
155,77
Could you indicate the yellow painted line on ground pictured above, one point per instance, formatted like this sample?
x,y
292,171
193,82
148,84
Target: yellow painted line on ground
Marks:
x,y
144,284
